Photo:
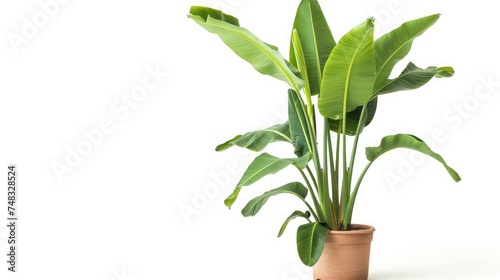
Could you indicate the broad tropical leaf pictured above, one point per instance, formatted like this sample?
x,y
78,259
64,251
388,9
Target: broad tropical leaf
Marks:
x,y
311,238
263,165
294,215
253,206
257,140
414,77
349,73
299,128
409,142
353,119
393,46
262,56
316,40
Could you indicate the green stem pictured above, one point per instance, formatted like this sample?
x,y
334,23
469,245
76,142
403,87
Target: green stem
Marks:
x,y
326,203
361,123
335,186
325,213
346,190
320,217
350,207
309,171
347,215
337,195
311,210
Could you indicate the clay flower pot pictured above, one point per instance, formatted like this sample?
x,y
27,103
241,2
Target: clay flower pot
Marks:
x,y
346,255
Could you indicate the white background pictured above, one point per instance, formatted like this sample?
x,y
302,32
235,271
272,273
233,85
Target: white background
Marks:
x,y
117,211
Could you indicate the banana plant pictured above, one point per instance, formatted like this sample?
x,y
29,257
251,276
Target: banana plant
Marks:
x,y
335,87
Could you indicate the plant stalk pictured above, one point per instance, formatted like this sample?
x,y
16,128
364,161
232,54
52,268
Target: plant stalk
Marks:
x,y
352,200
348,211
346,190
326,201
334,183
309,171
319,217
361,123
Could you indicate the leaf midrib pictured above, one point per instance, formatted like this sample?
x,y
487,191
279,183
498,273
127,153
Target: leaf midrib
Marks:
x,y
311,242
279,133
399,77
277,63
348,77
318,66
262,169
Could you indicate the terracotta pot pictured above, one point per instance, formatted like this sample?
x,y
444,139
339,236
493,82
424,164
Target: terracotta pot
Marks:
x,y
346,255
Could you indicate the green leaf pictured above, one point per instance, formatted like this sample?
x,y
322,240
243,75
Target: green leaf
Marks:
x,y
410,142
353,118
396,44
316,40
445,72
414,77
294,215
311,238
263,57
258,140
299,128
349,73
253,206
262,165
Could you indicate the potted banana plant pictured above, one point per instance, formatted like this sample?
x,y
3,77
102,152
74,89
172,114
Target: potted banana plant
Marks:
x,y
334,87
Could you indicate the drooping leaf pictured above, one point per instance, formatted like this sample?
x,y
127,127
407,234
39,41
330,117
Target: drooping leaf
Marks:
x,y
316,40
353,119
311,238
389,143
299,128
393,46
263,57
414,77
263,165
349,73
257,140
253,206
445,72
294,215
407,141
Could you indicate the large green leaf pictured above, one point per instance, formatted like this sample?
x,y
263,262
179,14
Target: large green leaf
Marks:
x,y
299,128
316,40
259,139
414,77
263,165
353,119
294,215
407,141
396,44
311,238
349,73
253,206
263,57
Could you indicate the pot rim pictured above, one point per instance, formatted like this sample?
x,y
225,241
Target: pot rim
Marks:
x,y
366,229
